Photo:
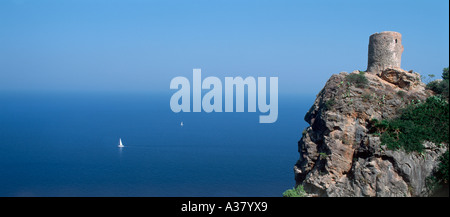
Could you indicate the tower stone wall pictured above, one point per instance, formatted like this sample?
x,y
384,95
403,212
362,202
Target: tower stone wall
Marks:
x,y
385,51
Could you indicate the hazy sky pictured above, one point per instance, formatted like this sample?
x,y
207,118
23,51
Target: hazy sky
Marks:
x,y
110,45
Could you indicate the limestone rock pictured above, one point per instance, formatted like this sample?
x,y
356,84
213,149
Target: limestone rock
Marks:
x,y
338,157
401,78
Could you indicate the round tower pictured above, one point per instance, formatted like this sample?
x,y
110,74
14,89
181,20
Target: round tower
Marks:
x,y
385,51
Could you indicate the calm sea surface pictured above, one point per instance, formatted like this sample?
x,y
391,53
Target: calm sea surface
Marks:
x,y
66,145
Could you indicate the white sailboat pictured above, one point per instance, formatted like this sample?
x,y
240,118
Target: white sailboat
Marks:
x,y
120,143
181,123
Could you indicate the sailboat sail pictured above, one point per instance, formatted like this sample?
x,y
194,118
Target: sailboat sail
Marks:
x,y
120,144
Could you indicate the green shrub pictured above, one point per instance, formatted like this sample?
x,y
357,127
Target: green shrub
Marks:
x,y
295,192
445,73
359,80
439,179
427,121
442,170
440,86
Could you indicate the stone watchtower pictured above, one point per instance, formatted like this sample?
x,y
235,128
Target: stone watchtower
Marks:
x,y
385,51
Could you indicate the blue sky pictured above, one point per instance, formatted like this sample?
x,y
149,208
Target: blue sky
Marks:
x,y
139,46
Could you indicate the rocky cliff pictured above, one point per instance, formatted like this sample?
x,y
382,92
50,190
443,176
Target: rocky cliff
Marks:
x,y
338,155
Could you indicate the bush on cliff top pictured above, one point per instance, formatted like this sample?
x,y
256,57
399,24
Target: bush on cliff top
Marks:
x,y
359,80
445,73
427,121
440,87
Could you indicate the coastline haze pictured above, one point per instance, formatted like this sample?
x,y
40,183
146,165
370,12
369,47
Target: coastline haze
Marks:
x,y
137,46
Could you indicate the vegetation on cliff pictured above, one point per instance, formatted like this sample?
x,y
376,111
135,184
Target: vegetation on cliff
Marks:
x,y
420,122
346,152
359,80
295,192
379,133
440,86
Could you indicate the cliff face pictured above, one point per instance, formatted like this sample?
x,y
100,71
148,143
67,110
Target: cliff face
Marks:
x,y
338,157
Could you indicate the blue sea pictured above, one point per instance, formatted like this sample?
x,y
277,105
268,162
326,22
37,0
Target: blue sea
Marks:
x,y
66,145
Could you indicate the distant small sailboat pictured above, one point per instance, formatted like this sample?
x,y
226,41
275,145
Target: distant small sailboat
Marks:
x,y
181,123
120,143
